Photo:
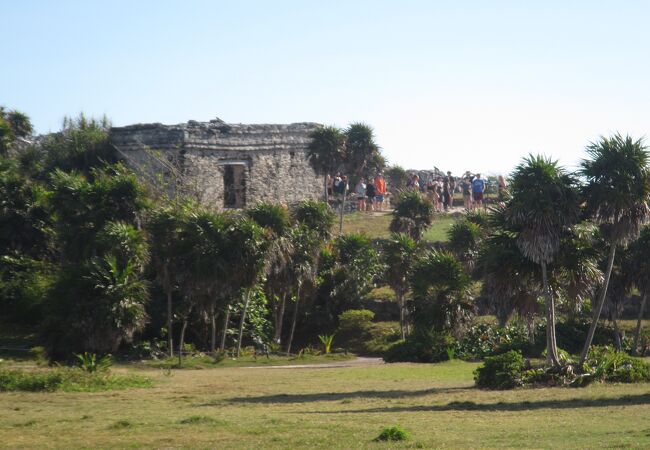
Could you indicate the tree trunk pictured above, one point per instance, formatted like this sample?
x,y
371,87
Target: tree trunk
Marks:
x,y
400,301
170,318
181,342
247,297
599,305
327,197
293,321
279,320
224,333
551,344
637,331
617,332
345,191
530,324
213,329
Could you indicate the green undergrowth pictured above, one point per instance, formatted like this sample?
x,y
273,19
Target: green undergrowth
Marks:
x,y
67,380
204,361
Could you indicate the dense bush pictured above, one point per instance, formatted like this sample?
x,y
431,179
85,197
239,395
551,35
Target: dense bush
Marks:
x,y
357,333
487,340
66,379
422,346
503,371
395,433
606,364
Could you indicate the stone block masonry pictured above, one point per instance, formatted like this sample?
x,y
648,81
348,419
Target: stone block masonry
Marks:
x,y
224,165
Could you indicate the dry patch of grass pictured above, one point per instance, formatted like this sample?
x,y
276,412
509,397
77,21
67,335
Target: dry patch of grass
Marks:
x,y
327,408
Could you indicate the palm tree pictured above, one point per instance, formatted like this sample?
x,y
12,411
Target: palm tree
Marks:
x,y
412,214
616,197
399,257
441,292
361,150
164,226
276,219
326,152
248,244
638,268
544,203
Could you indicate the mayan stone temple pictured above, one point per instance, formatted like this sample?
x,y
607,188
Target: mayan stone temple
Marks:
x,y
226,165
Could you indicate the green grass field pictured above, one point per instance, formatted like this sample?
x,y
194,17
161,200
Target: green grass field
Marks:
x,y
376,225
326,408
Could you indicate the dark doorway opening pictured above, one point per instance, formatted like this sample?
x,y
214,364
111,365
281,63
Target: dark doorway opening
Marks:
x,y
234,186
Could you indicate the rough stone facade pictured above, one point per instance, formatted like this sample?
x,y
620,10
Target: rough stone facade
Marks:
x,y
226,165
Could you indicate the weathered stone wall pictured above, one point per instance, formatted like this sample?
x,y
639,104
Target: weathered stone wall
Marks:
x,y
274,157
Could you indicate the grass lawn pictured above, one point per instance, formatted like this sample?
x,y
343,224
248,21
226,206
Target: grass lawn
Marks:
x,y
376,225
236,407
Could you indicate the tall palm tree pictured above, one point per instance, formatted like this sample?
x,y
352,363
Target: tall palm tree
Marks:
x,y
441,292
616,197
164,226
399,256
544,203
326,152
638,268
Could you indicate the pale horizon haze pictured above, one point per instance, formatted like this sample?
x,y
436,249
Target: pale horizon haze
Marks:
x,y
462,85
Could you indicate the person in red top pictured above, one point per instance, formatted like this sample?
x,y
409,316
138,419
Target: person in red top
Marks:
x,y
380,192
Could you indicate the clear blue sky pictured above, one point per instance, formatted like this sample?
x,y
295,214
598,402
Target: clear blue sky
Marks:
x,y
457,84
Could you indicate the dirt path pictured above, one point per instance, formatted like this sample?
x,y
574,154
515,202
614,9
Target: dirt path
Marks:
x,y
357,362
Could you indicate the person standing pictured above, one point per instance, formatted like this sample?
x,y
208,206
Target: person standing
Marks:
x,y
452,188
445,193
360,191
478,187
371,192
501,187
466,187
380,192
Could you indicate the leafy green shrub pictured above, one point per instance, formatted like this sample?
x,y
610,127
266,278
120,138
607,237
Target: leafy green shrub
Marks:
x,y
88,362
326,340
396,433
354,327
421,346
381,337
487,340
606,364
66,379
503,371
37,381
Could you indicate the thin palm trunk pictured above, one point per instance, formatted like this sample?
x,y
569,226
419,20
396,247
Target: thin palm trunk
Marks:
x,y
637,331
341,214
599,305
617,332
551,344
400,301
181,342
279,319
293,321
213,329
327,197
224,333
243,320
170,319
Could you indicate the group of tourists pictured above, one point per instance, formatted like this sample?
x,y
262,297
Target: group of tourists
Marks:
x,y
440,190
371,193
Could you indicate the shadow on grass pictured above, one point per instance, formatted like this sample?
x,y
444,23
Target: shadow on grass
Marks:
x,y
627,400
334,396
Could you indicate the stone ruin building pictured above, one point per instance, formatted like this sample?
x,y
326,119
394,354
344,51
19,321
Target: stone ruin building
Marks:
x,y
226,165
